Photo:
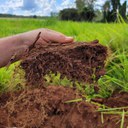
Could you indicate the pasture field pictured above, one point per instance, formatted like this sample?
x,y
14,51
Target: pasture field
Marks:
x,y
113,35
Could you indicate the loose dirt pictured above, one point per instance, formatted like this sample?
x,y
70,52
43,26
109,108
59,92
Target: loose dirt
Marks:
x,y
118,99
47,107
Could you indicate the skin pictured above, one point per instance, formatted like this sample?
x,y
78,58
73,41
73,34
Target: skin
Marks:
x,y
14,47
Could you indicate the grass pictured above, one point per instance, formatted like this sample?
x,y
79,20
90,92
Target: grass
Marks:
x,y
11,78
114,35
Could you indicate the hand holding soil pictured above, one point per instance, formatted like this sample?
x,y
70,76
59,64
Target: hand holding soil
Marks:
x,y
12,48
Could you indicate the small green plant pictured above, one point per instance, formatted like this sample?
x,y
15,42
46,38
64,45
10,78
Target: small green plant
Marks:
x,y
11,78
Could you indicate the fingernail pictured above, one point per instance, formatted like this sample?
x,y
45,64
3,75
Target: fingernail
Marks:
x,y
69,38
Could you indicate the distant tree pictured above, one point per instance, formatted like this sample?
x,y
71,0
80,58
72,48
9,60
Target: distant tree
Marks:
x,y
35,16
98,15
80,4
87,14
106,10
90,3
115,4
69,14
106,6
54,14
112,8
123,10
85,9
115,8
84,12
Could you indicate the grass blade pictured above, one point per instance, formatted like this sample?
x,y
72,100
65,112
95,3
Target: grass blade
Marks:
x,y
122,120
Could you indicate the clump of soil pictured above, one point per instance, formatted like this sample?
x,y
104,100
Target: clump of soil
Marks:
x,y
118,99
83,62
46,108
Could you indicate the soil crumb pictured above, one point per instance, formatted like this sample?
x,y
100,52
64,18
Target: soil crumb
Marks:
x,y
79,61
47,108
118,99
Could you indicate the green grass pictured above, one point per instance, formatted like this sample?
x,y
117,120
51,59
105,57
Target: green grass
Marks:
x,y
114,35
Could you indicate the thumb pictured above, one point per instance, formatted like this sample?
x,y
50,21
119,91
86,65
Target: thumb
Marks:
x,y
54,36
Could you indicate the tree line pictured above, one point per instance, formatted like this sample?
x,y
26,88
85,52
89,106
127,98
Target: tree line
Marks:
x,y
85,11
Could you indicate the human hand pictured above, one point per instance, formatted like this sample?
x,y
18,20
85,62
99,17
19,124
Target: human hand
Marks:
x,y
46,36
14,47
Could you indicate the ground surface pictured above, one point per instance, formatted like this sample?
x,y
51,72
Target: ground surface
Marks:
x,y
47,108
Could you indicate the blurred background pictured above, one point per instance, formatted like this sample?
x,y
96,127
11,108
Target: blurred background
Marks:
x,y
75,10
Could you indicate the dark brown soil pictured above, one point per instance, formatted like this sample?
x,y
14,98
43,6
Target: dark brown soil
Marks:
x,y
83,62
46,108
118,99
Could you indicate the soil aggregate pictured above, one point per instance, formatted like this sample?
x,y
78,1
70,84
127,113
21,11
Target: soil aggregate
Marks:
x,y
118,99
83,62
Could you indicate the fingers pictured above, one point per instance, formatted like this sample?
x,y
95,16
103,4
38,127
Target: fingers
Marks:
x,y
54,36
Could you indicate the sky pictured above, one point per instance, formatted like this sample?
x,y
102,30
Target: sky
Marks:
x,y
37,7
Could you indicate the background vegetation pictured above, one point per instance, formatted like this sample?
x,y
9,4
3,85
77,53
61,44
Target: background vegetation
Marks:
x,y
86,10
